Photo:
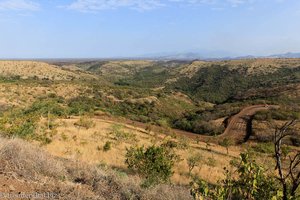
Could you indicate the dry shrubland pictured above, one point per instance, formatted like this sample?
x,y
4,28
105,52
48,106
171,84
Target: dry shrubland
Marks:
x,y
40,70
70,179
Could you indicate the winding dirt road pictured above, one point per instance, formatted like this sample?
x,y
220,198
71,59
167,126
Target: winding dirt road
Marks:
x,y
239,127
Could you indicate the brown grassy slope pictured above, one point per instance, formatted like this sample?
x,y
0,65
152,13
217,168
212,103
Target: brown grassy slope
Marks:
x,y
73,142
22,95
31,69
25,168
251,66
123,68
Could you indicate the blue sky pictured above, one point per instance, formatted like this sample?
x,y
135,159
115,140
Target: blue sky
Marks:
x,y
120,28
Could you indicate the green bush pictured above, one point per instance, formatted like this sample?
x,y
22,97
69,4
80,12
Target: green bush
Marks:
x,y
251,182
23,122
120,135
154,163
44,107
81,105
107,146
264,148
85,122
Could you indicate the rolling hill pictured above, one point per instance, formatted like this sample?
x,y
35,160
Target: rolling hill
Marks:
x,y
39,70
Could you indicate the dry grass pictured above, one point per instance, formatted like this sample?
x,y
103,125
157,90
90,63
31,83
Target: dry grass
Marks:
x,y
24,94
30,69
123,68
25,168
252,66
86,145
28,161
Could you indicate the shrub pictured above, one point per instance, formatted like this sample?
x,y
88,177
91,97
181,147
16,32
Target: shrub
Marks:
x,y
153,163
81,105
121,135
163,123
226,143
193,161
251,183
170,144
85,122
107,146
44,107
211,162
264,148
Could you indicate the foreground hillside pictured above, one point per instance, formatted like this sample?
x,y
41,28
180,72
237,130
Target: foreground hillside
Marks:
x,y
29,170
85,119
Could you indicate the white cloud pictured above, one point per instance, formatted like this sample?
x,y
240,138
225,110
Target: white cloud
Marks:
x,y
96,5
19,5
236,3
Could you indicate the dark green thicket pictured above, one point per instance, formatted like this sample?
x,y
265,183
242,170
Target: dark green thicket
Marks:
x,y
219,84
153,76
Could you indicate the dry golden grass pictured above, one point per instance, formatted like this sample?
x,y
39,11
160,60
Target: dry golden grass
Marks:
x,y
87,145
31,69
122,68
193,68
252,66
26,168
23,94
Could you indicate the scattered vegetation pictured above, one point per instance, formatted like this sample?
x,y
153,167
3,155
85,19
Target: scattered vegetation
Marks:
x,y
118,133
251,183
153,163
85,122
160,93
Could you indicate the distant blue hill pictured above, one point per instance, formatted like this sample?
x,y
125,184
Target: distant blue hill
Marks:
x,y
286,55
212,56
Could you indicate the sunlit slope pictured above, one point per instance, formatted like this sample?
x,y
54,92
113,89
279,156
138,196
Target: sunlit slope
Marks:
x,y
39,70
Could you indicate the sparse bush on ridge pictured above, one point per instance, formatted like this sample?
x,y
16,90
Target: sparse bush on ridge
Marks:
x,y
121,135
23,122
85,122
153,163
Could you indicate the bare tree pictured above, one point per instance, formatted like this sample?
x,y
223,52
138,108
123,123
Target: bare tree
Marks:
x,y
289,175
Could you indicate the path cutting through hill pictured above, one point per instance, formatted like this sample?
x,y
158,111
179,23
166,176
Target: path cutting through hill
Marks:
x,y
239,127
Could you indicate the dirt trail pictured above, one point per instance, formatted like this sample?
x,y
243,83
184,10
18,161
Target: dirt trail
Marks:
x,y
238,129
240,125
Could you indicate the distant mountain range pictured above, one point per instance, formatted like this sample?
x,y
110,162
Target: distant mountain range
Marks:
x,y
286,55
212,56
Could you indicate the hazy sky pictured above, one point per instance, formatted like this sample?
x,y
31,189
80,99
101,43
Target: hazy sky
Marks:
x,y
113,28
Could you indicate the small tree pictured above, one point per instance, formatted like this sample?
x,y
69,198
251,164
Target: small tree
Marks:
x,y
154,163
226,143
289,176
194,161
